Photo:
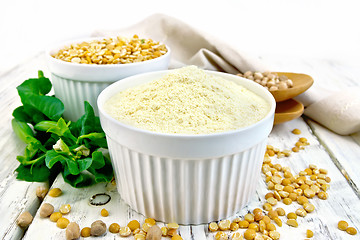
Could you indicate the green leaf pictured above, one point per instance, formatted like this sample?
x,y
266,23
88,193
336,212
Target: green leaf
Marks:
x,y
36,173
77,181
62,129
40,74
104,174
31,150
84,163
96,139
92,136
61,147
51,107
45,125
34,86
20,114
36,115
32,94
98,160
88,122
26,160
22,130
52,157
72,165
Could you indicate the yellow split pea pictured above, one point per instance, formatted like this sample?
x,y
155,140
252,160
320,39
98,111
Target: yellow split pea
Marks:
x,y
118,50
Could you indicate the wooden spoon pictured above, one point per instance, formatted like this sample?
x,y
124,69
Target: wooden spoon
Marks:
x,y
301,83
288,110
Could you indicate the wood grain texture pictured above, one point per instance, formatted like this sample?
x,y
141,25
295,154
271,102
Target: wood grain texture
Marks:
x,y
288,110
327,150
15,196
301,82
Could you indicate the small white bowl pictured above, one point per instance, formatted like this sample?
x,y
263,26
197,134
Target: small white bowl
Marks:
x,y
188,179
75,83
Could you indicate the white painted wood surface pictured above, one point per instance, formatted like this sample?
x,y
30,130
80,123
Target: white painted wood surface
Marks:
x,y
327,150
15,196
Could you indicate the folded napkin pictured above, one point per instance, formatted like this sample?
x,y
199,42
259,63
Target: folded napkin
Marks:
x,y
190,46
339,111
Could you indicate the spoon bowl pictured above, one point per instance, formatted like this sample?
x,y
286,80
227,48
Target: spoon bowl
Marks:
x,y
288,110
301,82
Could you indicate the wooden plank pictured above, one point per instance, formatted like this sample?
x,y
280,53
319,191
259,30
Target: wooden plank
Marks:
x,y
344,152
15,196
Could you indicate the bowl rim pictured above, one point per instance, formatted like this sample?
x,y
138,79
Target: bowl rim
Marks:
x,y
58,46
270,114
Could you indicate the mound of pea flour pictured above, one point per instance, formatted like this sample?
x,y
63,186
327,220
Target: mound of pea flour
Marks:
x,y
190,46
188,101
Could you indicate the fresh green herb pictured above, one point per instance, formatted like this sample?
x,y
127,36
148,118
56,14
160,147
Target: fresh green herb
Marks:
x,y
54,145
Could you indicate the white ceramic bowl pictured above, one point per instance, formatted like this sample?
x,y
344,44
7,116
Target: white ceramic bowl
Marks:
x,y
188,179
75,83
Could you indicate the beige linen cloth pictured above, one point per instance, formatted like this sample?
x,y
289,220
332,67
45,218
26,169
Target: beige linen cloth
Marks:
x,y
190,46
